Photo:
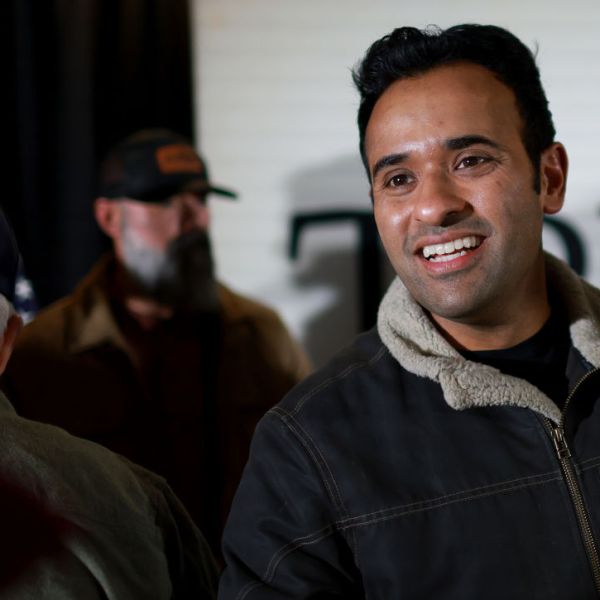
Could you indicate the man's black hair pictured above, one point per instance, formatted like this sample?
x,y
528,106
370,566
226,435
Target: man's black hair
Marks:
x,y
408,51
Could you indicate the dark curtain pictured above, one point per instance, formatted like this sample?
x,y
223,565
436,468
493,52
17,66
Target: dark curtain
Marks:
x,y
81,75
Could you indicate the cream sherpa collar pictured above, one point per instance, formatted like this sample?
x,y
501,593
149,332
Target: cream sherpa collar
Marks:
x,y
416,344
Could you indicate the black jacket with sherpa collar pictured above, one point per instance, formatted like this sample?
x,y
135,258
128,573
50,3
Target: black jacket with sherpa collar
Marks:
x,y
404,471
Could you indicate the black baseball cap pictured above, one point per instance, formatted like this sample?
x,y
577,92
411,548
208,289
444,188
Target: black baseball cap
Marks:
x,y
154,164
9,259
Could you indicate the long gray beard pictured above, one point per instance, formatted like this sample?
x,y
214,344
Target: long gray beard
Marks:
x,y
181,277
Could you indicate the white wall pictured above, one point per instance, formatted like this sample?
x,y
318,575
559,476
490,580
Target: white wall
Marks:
x,y
276,120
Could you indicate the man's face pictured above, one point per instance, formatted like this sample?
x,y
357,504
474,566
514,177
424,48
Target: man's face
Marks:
x,y
166,249
453,195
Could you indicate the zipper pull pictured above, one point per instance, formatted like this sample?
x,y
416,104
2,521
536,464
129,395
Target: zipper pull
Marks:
x,y
558,438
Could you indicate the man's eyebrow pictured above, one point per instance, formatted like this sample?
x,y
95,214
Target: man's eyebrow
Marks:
x,y
459,143
388,161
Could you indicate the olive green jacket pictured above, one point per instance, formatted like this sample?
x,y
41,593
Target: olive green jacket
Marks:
x,y
127,536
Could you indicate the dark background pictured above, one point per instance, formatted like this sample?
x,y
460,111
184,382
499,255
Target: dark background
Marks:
x,y
80,75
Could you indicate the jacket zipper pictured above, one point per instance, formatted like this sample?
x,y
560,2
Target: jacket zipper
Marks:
x,y
557,434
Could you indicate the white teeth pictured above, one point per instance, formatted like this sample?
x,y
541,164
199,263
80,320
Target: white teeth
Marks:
x,y
447,257
450,250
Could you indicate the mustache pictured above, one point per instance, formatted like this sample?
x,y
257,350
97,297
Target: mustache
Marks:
x,y
474,226
191,251
197,239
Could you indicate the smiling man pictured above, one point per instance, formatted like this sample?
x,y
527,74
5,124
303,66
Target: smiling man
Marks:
x,y
457,206
452,451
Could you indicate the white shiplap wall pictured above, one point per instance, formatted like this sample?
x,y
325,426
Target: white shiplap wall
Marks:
x,y
276,120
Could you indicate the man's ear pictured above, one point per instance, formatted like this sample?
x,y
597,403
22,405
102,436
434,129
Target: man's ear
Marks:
x,y
7,342
107,213
554,165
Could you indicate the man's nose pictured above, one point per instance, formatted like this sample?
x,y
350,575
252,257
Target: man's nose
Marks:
x,y
441,201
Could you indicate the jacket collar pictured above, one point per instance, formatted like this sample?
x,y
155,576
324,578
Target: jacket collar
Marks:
x,y
93,322
416,344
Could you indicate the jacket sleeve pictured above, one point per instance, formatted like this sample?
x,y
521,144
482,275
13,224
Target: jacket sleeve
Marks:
x,y
281,539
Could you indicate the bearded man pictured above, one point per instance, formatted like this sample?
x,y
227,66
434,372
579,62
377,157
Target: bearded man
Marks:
x,y
151,356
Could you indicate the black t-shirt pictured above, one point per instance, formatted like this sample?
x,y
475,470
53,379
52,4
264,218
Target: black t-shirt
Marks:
x,y
541,360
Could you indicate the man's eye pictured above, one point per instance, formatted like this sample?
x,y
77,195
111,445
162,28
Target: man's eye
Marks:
x,y
472,161
399,180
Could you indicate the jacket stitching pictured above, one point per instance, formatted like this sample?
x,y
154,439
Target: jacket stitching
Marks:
x,y
404,510
347,371
328,481
471,493
519,482
589,463
243,593
307,540
409,509
322,466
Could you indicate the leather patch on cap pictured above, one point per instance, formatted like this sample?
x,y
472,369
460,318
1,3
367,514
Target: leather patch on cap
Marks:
x,y
178,158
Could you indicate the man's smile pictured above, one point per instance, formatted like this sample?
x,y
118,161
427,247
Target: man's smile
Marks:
x,y
450,250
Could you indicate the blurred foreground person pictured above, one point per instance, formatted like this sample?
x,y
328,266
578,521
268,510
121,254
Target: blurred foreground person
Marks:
x,y
79,522
151,356
452,451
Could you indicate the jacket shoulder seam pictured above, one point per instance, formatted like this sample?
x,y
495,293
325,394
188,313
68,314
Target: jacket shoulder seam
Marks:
x,y
311,448
351,368
441,501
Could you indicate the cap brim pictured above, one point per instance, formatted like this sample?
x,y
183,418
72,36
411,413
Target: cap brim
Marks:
x,y
169,188
203,187
219,191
